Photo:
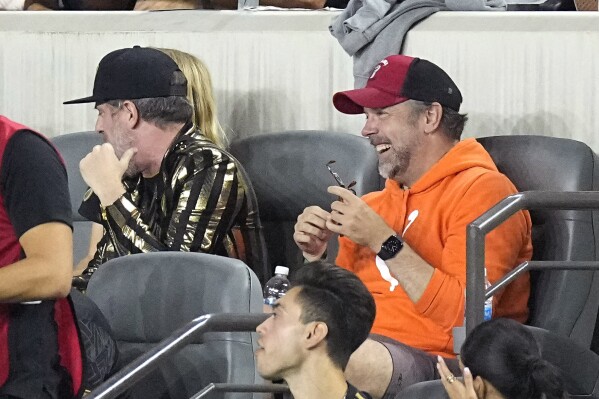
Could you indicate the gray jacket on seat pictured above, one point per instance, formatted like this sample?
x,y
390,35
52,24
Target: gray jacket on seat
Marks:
x,y
370,30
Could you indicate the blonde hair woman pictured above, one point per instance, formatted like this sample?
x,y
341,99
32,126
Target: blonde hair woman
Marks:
x,y
199,94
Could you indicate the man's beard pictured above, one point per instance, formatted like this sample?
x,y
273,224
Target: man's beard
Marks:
x,y
397,165
121,143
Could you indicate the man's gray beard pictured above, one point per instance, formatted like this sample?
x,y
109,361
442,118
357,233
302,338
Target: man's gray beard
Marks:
x,y
398,165
385,169
121,145
132,170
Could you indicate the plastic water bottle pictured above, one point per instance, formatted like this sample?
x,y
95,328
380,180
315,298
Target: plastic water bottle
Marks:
x,y
277,286
489,301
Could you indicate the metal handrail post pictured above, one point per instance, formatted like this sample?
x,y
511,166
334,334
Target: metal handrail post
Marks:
x,y
263,388
479,228
476,233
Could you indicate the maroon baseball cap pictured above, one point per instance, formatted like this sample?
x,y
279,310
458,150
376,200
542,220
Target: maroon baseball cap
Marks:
x,y
399,78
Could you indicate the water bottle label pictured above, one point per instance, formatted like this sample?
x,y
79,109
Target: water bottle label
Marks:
x,y
488,312
270,300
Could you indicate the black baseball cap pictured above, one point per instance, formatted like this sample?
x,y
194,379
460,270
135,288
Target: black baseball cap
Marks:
x,y
132,73
399,78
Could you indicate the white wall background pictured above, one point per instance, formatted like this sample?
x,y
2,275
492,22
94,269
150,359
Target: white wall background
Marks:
x,y
519,72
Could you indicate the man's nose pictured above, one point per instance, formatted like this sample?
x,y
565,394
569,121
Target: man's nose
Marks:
x,y
369,128
260,328
99,126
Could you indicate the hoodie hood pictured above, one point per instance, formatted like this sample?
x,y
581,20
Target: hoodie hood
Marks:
x,y
466,154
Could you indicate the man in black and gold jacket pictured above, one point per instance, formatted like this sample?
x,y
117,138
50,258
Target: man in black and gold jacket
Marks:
x,y
157,184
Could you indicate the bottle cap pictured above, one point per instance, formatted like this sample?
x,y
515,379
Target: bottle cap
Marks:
x,y
282,270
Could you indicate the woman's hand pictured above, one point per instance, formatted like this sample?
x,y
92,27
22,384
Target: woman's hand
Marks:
x,y
453,386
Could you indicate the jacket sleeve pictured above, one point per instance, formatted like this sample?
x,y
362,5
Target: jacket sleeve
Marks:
x,y
204,196
443,301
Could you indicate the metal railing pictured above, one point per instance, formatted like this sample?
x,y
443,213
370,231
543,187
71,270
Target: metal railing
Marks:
x,y
271,388
479,228
144,364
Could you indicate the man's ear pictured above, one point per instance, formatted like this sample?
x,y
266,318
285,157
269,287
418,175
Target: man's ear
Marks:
x,y
315,333
433,115
133,117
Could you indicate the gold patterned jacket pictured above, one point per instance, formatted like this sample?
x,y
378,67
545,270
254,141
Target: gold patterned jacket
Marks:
x,y
201,201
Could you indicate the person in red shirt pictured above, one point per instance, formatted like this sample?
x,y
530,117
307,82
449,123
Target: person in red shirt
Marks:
x,y
407,243
40,350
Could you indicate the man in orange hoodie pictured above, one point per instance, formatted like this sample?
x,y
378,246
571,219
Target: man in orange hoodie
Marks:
x,y
407,243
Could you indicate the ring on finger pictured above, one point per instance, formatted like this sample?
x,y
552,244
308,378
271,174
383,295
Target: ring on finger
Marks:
x,y
450,378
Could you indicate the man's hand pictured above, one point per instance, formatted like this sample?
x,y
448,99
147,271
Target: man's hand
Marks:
x,y
310,232
353,218
103,172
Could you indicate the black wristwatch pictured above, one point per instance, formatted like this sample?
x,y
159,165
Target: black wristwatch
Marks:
x,y
390,247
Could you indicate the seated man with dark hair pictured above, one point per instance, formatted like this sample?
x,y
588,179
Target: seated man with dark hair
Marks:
x,y
157,183
313,331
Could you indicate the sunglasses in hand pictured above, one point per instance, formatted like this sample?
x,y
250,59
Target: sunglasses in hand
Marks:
x,y
338,178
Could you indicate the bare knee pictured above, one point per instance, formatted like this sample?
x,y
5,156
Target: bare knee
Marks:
x,y
370,368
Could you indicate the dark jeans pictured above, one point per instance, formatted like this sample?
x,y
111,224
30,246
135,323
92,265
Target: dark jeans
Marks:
x,y
99,345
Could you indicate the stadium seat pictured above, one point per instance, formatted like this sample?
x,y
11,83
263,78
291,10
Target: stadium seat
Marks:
x,y
73,147
288,171
146,297
562,301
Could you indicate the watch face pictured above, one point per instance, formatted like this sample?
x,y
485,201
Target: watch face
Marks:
x,y
392,245
390,248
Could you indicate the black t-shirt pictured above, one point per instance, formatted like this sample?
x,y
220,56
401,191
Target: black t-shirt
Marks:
x,y
34,183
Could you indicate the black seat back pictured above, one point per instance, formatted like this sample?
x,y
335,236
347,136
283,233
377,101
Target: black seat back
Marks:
x,y
563,301
288,172
146,297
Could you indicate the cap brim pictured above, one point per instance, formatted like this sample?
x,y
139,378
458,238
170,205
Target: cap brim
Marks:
x,y
90,99
354,101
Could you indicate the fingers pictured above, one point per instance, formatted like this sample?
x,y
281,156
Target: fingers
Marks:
x,y
310,232
453,386
105,147
334,226
312,221
443,369
468,380
304,240
447,378
126,158
344,194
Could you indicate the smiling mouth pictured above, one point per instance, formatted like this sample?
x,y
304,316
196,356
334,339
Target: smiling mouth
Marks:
x,y
380,148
